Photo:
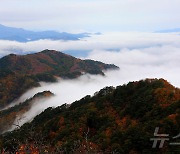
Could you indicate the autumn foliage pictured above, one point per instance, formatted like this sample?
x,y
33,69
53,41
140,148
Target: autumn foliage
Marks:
x,y
119,120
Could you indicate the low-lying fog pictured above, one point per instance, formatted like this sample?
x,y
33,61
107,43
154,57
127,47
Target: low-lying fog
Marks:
x,y
139,56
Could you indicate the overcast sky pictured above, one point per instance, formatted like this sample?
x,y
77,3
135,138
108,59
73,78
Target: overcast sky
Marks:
x,y
91,15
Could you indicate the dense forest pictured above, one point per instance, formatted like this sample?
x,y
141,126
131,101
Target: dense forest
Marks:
x,y
18,73
115,120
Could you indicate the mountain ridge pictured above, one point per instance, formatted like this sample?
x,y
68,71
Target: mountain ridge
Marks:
x,y
29,70
9,115
174,30
44,58
22,35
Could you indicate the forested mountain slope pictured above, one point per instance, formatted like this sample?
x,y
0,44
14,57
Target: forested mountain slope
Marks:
x,y
18,73
121,120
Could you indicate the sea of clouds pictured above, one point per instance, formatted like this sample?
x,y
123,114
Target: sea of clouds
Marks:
x,y
139,55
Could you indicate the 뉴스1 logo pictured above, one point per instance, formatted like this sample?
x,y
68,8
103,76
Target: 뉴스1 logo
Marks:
x,y
162,138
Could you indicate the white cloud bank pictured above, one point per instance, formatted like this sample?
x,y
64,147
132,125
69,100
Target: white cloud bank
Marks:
x,y
139,56
115,40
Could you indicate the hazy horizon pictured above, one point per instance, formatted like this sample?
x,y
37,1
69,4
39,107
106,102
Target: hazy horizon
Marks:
x,y
91,15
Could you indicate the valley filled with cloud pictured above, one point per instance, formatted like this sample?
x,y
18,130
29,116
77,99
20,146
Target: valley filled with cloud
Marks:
x,y
139,56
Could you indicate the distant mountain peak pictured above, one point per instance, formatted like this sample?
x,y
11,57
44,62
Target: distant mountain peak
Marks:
x,y
12,54
50,51
174,30
22,35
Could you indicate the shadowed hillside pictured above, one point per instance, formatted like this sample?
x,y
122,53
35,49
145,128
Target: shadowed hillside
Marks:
x,y
8,116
